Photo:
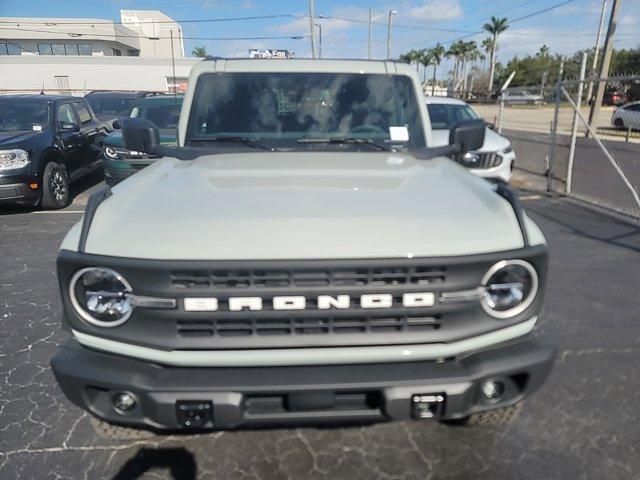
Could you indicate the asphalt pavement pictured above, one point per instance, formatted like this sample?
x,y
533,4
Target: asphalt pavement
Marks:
x,y
583,424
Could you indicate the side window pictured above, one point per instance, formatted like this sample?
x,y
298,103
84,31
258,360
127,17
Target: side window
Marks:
x,y
634,108
66,115
83,112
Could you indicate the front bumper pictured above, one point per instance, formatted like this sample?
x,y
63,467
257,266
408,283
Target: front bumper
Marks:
x,y
115,171
501,172
18,194
293,395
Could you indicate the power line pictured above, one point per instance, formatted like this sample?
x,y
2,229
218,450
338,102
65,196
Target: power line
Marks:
x,y
80,35
410,27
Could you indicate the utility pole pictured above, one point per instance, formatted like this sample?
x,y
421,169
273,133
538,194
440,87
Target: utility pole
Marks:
x,y
596,50
606,62
319,25
391,14
173,66
312,29
370,22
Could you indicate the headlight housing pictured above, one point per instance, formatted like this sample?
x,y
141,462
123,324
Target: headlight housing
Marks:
x,y
13,159
101,296
116,153
508,149
510,286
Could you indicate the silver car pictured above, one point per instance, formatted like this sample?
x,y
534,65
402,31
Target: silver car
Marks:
x,y
627,116
522,97
496,157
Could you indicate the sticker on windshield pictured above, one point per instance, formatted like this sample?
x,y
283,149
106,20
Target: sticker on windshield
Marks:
x,y
37,128
399,134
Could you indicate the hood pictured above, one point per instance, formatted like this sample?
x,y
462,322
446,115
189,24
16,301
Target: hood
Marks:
x,y
493,141
301,206
12,139
167,137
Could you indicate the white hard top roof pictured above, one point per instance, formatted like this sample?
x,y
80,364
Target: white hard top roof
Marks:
x,y
444,101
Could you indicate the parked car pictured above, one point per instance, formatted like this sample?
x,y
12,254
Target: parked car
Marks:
x,y
496,157
46,142
120,162
522,97
614,97
113,105
627,116
303,255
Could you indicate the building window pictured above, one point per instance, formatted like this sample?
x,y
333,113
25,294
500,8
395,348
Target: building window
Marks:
x,y
45,49
71,49
134,53
116,52
58,49
10,49
85,49
62,82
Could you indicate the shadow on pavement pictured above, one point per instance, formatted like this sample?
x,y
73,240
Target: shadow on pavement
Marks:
x,y
589,223
178,461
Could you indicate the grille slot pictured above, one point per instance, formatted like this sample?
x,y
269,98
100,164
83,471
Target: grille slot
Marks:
x,y
338,277
305,326
483,160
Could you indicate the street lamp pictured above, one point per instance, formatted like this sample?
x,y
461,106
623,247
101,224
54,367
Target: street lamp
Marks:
x,y
391,14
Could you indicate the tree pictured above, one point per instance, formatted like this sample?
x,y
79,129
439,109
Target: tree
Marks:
x,y
456,50
425,60
543,52
200,52
495,27
436,53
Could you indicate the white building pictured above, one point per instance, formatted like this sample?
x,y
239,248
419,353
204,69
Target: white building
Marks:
x,y
83,54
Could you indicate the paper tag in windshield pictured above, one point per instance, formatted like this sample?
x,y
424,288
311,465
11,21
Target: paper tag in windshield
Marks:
x,y
399,134
37,128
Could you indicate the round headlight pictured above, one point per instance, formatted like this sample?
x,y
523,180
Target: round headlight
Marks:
x,y
510,286
101,296
110,152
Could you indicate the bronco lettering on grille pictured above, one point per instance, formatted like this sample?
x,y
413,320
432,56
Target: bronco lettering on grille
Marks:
x,y
298,302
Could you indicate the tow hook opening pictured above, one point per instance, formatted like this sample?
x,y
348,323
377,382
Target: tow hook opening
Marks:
x,y
427,405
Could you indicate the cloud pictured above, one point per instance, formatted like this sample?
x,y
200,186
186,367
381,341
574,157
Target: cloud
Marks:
x,y
437,10
628,20
300,26
248,5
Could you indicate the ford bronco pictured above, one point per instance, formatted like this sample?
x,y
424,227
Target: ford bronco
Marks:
x,y
303,255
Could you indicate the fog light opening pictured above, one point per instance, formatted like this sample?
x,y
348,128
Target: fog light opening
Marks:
x,y
492,390
123,402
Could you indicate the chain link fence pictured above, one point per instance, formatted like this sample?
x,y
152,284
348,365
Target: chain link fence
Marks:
x,y
592,154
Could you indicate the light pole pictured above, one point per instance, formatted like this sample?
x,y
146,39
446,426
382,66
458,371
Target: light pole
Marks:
x,y
391,14
312,30
319,25
596,51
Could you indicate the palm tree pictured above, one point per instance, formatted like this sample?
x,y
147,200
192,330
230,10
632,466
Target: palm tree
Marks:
x,y
487,45
437,53
543,52
200,52
425,60
495,27
456,50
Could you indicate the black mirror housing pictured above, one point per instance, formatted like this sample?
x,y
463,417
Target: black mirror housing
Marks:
x,y
116,124
140,135
467,135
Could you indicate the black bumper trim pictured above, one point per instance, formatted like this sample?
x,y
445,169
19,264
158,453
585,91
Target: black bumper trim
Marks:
x,y
90,378
17,193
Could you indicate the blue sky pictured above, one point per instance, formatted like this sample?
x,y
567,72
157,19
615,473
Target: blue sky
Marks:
x,y
419,23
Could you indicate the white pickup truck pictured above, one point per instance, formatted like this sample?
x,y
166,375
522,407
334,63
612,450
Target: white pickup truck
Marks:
x,y
302,256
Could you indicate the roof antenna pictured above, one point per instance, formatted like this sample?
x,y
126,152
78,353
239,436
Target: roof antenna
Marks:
x,y
42,91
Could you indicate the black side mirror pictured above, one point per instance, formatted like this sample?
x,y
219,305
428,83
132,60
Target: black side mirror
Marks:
x,y
467,135
490,125
116,124
69,127
140,135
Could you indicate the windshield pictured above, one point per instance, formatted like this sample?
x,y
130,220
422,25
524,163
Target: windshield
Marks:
x,y
117,106
286,108
23,115
165,117
445,116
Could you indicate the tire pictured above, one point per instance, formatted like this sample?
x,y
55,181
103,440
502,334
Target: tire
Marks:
x,y
55,187
118,432
618,122
489,418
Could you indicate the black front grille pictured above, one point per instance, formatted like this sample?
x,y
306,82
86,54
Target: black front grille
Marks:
x,y
305,326
338,277
480,160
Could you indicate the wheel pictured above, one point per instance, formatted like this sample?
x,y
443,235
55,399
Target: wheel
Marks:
x,y
489,418
618,122
118,432
55,187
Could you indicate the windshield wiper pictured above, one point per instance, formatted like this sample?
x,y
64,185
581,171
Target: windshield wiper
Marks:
x,y
234,139
349,141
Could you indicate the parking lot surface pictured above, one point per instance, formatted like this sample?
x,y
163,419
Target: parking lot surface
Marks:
x,y
581,425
